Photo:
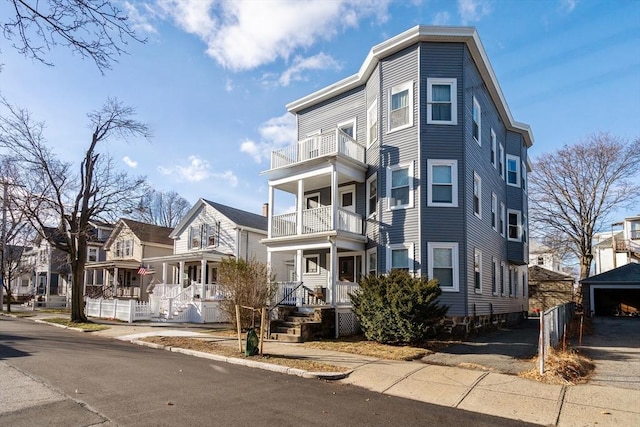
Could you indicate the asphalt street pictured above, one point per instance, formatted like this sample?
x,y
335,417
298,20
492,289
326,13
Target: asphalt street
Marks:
x,y
71,378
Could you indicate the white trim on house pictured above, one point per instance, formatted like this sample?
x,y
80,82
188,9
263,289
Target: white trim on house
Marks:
x,y
390,170
515,160
369,213
453,100
455,263
476,112
453,164
372,116
397,89
410,256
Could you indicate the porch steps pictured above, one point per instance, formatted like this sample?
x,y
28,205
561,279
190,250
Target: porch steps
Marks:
x,y
290,329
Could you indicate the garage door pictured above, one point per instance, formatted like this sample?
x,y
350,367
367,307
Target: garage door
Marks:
x,y
611,301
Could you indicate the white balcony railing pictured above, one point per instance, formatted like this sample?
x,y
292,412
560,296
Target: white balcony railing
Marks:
x,y
323,144
315,220
343,290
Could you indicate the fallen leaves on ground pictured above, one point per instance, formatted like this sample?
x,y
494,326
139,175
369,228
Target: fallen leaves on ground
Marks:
x,y
562,367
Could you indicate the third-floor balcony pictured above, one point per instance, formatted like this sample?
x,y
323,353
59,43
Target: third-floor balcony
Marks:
x,y
330,143
317,220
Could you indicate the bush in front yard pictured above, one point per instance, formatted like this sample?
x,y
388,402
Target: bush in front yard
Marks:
x,y
397,308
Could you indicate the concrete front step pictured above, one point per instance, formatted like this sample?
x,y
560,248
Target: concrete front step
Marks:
x,y
286,337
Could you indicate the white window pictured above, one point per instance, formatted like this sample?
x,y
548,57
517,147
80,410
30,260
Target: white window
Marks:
x,y
128,247
211,232
311,264
92,254
372,123
477,125
119,249
501,160
502,278
443,264
194,237
401,106
525,284
503,225
513,170
540,260
514,225
477,271
477,195
372,194
400,257
442,182
400,186
494,276
493,153
312,201
372,262
349,128
442,106
515,282
494,211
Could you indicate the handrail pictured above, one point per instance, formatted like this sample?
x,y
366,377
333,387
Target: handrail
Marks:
x,y
285,297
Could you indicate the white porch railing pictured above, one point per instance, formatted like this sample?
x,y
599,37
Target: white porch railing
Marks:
x,y
324,144
316,220
125,310
343,290
289,293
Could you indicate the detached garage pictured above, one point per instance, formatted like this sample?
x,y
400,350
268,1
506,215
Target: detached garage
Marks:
x,y
613,293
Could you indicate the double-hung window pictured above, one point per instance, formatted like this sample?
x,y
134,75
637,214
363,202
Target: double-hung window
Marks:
x,y
401,106
494,276
477,195
477,271
372,123
442,105
400,186
92,254
514,219
372,262
477,121
494,211
372,194
311,264
399,257
513,170
492,153
442,189
503,225
523,176
502,278
501,160
443,264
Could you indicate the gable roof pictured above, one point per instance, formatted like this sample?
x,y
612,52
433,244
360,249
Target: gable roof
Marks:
x,y
541,274
627,274
421,33
237,216
148,233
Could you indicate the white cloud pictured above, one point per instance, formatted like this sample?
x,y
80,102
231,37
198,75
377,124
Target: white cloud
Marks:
x,y
320,61
196,170
131,163
228,86
568,5
245,34
275,133
139,21
228,176
441,18
473,10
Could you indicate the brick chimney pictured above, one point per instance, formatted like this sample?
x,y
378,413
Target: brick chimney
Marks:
x,y
265,209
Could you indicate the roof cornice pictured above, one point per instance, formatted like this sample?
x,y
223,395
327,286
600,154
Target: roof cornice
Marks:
x,y
421,33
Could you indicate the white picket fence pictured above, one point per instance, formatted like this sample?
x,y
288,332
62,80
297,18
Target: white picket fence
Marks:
x,y
125,310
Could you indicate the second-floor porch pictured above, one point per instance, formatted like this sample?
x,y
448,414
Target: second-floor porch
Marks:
x,y
316,220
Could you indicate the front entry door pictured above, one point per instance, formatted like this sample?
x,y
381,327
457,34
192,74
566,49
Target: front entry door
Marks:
x,y
347,269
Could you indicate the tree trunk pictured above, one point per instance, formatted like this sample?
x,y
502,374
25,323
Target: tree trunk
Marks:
x,y
585,266
77,296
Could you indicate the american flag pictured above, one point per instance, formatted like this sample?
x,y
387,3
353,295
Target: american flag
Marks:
x,y
142,270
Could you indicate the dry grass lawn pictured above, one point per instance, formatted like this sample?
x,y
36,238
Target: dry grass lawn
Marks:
x,y
562,367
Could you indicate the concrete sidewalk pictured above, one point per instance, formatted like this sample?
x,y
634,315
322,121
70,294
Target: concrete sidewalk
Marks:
x,y
472,390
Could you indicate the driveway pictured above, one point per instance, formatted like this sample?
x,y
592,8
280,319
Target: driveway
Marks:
x,y
615,350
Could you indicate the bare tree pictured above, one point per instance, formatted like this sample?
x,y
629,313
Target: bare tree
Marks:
x,y
573,192
94,29
164,208
54,194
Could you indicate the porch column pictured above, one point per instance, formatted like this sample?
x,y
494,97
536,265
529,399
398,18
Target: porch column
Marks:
x,y
334,282
270,212
181,274
300,203
115,281
105,278
334,196
164,272
84,282
299,275
203,279
94,280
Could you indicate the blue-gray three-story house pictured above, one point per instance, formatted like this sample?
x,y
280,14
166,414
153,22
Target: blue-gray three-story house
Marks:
x,y
413,163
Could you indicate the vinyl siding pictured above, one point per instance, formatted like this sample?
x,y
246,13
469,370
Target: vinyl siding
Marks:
x,y
372,223
208,215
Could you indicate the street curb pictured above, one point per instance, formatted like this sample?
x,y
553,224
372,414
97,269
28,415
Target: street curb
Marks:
x,y
248,363
61,326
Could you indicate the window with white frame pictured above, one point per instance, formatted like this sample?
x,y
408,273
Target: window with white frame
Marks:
x,y
372,194
494,276
501,160
502,278
348,127
128,247
494,211
515,282
525,284
514,233
443,264
311,264
513,170
400,186
477,124
503,225
372,262
212,232
540,260
92,254
400,106
442,106
477,195
372,123
400,256
442,183
477,271
194,237
119,249
493,153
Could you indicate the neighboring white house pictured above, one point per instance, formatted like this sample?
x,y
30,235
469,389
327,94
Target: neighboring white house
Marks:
x,y
617,247
542,256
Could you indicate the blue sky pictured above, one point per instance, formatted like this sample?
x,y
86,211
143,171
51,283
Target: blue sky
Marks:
x,y
214,77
